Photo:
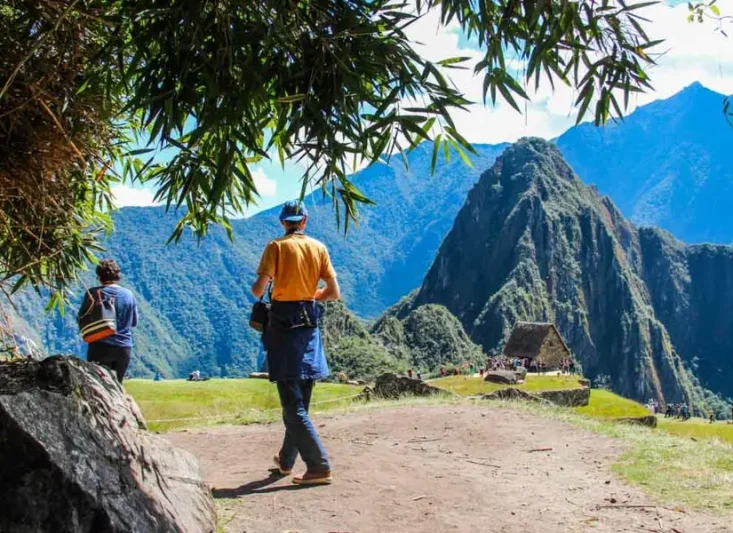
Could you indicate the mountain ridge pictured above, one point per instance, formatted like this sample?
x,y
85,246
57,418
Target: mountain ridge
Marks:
x,y
553,249
194,298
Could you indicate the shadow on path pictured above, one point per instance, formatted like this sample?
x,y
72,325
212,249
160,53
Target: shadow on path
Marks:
x,y
260,486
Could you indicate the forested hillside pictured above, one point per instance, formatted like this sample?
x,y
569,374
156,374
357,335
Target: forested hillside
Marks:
x,y
195,299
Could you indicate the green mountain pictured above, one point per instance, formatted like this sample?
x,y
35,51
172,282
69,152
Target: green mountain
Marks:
x,y
194,297
532,242
423,339
666,165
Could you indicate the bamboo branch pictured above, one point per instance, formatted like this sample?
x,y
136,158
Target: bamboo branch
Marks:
x,y
35,48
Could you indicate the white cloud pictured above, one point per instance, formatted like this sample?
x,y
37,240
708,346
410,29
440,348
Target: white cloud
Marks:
x,y
694,52
126,196
266,186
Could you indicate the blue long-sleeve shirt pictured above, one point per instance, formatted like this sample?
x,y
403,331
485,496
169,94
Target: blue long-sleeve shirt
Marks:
x,y
125,309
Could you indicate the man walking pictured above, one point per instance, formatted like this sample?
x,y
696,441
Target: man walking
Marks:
x,y
295,264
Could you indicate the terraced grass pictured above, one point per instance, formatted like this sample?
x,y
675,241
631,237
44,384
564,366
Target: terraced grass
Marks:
x,y
606,405
472,386
697,428
176,404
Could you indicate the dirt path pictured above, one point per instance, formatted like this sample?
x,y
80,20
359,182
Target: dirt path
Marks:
x,y
436,469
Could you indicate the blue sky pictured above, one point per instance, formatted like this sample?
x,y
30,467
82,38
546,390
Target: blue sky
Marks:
x,y
692,52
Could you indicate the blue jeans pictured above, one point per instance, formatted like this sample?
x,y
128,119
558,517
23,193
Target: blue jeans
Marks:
x,y
300,434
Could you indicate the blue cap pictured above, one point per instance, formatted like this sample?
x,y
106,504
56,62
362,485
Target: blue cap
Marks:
x,y
293,212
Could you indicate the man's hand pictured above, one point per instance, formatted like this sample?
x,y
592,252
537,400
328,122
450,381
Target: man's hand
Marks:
x,y
260,286
331,291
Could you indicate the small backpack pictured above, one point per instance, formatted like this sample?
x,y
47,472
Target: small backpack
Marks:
x,y
99,320
260,315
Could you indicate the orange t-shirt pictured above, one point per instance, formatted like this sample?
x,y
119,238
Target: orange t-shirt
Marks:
x,y
297,263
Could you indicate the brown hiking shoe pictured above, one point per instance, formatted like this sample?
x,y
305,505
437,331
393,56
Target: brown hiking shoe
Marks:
x,y
283,471
314,478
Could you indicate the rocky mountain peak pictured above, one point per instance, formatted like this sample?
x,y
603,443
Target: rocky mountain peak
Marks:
x,y
533,243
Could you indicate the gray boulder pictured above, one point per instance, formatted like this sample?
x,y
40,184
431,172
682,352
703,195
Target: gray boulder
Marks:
x,y
510,393
391,385
503,377
521,373
75,457
567,397
649,420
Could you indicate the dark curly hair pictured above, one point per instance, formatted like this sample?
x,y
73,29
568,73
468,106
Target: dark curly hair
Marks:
x,y
108,271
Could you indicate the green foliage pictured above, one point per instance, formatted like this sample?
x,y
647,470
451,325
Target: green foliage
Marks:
x,y
599,48
350,348
428,337
57,142
362,359
219,85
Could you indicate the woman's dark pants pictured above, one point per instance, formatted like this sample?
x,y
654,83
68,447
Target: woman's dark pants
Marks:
x,y
113,357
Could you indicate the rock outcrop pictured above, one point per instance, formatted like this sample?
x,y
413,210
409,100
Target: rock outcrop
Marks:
x,y
75,457
504,377
511,393
649,421
392,386
552,249
560,398
567,397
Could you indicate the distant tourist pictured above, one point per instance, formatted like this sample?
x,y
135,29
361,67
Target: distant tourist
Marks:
x,y
113,351
157,377
409,373
571,368
419,375
669,413
456,371
295,264
443,371
712,416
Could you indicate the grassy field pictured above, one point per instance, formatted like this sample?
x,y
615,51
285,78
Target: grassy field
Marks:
x,y
176,404
605,404
473,386
697,428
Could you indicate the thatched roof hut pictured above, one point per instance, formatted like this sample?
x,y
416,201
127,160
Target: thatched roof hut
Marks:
x,y
537,341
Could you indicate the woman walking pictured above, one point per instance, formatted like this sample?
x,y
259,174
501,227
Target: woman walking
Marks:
x,y
113,351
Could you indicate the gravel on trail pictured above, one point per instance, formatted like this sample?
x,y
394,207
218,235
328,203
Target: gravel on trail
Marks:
x,y
439,469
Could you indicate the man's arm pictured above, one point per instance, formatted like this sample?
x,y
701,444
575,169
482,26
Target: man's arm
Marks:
x,y
331,291
266,270
260,286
